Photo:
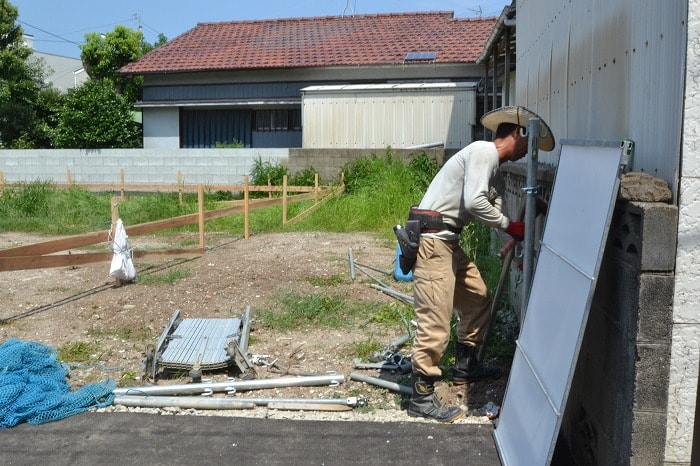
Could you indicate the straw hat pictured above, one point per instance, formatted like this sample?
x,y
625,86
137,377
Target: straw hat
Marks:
x,y
519,116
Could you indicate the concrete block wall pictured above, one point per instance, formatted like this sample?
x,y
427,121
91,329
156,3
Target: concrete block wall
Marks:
x,y
161,166
148,166
617,407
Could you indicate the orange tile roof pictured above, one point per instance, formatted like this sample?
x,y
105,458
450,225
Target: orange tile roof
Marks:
x,y
318,42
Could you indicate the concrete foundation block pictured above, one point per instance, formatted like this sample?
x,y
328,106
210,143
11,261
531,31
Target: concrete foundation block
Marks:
x,y
644,234
648,438
651,377
655,308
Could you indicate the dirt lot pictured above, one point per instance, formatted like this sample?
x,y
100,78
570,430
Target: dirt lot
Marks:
x,y
61,306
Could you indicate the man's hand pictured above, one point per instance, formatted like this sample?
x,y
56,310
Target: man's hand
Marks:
x,y
516,230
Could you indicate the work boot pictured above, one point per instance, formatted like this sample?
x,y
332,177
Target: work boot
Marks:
x,y
467,367
425,402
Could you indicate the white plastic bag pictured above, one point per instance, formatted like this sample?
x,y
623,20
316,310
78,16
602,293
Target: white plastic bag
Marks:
x,y
122,266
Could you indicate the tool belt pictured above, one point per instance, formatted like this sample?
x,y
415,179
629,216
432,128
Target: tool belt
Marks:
x,y
419,221
430,221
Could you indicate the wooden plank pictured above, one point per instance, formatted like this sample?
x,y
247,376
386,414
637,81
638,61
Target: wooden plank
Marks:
x,y
173,187
174,253
62,260
88,239
308,211
8,264
63,244
37,255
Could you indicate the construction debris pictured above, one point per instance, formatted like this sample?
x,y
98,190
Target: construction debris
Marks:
x,y
231,386
201,344
395,387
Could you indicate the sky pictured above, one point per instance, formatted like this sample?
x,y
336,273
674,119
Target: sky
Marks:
x,y
59,26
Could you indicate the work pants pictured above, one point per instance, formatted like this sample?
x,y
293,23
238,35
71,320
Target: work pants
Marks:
x,y
444,278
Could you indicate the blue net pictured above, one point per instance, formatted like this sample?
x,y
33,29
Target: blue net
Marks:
x,y
34,387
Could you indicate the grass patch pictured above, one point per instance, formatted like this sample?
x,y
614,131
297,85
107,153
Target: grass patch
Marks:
x,y
123,333
297,311
393,313
79,352
167,278
333,280
366,348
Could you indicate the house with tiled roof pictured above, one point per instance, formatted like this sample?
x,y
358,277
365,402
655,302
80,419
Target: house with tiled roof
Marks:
x,y
341,81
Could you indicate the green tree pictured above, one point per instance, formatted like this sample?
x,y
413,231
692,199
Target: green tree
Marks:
x,y
96,116
24,118
104,54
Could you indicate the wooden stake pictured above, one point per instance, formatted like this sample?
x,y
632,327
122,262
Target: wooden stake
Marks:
x,y
246,208
115,216
179,185
316,188
121,183
200,206
284,200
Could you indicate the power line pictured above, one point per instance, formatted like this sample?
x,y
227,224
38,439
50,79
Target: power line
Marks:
x,y
149,27
49,33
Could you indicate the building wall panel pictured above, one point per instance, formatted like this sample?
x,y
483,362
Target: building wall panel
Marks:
x,y
617,70
379,116
606,70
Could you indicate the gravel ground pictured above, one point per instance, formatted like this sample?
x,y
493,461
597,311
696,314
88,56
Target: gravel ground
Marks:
x,y
80,305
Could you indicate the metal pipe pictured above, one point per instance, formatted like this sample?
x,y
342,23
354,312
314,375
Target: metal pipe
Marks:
x,y
376,269
531,193
399,342
352,264
232,385
381,383
428,145
350,401
200,402
186,402
245,333
371,276
385,289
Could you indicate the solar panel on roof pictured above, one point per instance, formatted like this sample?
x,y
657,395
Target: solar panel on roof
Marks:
x,y
417,56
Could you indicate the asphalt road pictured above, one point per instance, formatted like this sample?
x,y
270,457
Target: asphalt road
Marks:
x,y
134,438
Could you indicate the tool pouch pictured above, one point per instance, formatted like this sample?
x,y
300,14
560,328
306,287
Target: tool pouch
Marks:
x,y
408,238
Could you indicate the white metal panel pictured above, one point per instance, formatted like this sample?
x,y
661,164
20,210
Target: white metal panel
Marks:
x,y
382,115
575,234
586,189
522,433
607,69
161,128
560,298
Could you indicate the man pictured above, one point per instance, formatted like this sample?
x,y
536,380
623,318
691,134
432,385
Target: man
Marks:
x,y
466,188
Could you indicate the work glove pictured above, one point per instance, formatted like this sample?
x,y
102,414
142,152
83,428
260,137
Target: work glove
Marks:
x,y
516,230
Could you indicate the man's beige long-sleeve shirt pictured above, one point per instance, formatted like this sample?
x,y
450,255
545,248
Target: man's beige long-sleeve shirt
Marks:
x,y
468,187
